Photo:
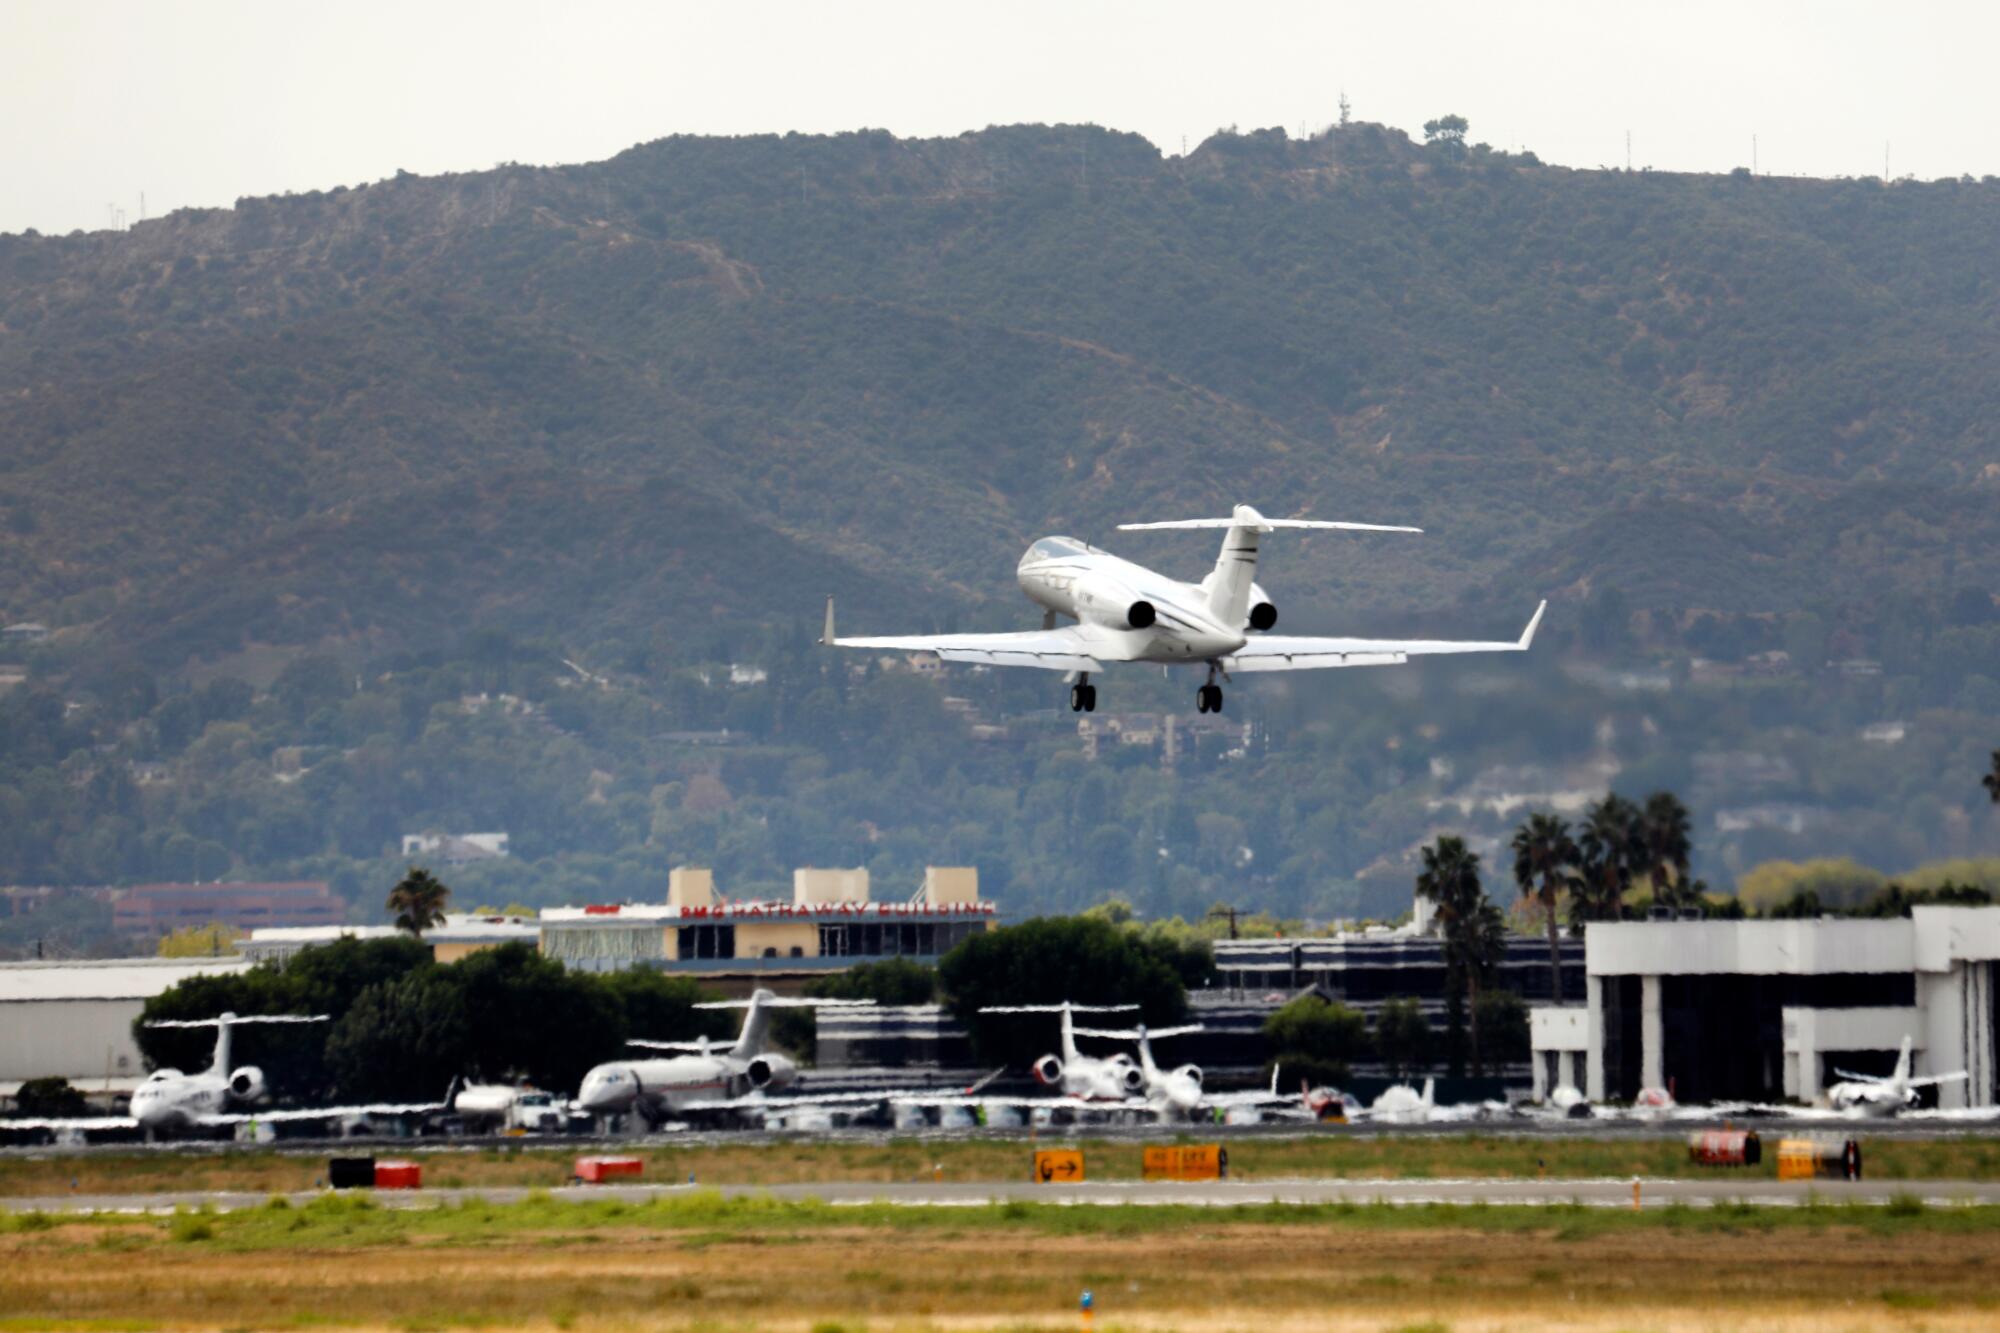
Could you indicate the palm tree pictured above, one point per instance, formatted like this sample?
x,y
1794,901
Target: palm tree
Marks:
x,y
1474,933
418,901
1992,780
1666,843
1610,854
1545,861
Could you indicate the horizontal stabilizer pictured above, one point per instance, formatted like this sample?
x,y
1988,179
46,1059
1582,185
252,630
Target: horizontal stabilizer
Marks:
x,y
1056,1008
1246,517
1140,1034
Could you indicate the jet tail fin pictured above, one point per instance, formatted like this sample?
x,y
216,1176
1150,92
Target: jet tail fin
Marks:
x,y
1902,1074
1236,566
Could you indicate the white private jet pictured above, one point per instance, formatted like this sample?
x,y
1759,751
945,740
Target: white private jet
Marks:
x,y
1087,1078
1867,1094
169,1100
1179,1093
1128,613
700,1076
1401,1104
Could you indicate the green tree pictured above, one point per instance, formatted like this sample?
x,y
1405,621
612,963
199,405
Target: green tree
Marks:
x,y
1473,930
1992,779
418,900
404,1039
1545,861
534,1018
1503,1027
658,1006
1047,960
1314,1039
1665,843
49,1098
1447,133
1402,1037
1609,846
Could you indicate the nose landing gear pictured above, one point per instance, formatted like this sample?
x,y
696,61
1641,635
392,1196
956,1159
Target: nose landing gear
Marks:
x,y
1083,695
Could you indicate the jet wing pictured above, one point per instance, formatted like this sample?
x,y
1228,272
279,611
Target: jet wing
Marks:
x,y
1068,1103
757,1101
1061,649
1280,652
80,1122
322,1113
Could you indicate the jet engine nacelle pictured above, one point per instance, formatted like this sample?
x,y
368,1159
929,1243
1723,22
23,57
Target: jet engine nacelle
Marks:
x,y
770,1071
1106,601
1132,1077
1263,611
1048,1071
1192,1073
247,1084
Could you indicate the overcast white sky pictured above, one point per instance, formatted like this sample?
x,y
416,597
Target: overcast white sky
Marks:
x,y
200,103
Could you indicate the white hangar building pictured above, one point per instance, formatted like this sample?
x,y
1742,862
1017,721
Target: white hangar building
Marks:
x,y
74,1019
1767,1010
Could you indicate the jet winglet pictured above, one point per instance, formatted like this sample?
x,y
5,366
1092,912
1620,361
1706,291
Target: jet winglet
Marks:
x,y
1527,635
826,634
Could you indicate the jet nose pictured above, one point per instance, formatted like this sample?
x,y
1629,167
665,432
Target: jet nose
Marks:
x,y
605,1090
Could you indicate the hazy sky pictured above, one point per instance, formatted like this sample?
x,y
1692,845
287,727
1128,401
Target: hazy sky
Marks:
x,y
200,103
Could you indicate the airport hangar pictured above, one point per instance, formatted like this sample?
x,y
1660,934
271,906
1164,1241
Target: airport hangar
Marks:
x,y
1769,1010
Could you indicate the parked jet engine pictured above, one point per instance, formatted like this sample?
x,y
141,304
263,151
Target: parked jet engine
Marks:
x,y
247,1083
769,1072
1048,1071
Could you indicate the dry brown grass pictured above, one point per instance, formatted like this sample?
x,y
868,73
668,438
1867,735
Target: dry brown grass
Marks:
x,y
1221,1276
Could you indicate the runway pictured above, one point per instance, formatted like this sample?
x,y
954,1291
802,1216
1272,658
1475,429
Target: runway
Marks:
x,y
1601,1193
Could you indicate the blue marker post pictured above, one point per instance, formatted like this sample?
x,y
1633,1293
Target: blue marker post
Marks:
x,y
1084,1306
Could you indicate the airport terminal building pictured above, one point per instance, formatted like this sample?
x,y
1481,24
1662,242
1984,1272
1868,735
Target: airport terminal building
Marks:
x,y
1768,1010
830,923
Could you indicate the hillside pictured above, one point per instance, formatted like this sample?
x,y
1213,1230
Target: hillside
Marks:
x,y
345,414
390,453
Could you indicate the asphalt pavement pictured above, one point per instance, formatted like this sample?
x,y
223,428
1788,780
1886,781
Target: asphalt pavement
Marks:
x,y
1707,1191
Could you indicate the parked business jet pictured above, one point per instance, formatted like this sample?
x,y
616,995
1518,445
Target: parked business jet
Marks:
x,y
700,1076
1086,1077
1128,613
169,1100
1867,1094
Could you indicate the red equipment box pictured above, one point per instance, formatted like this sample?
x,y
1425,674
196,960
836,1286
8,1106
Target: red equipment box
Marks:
x,y
398,1176
597,1170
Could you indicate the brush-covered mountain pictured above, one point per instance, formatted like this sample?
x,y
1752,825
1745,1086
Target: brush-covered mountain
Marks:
x,y
720,376
480,484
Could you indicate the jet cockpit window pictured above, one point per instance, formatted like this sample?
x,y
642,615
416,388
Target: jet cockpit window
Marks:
x,y
1056,548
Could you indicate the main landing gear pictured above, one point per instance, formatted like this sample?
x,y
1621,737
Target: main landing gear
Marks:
x,y
1083,695
1208,699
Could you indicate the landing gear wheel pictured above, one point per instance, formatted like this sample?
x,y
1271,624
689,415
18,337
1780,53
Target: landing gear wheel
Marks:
x,y
1208,699
1089,698
1076,698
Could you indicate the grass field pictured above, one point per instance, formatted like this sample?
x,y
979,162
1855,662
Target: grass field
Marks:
x,y
703,1262
769,1162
